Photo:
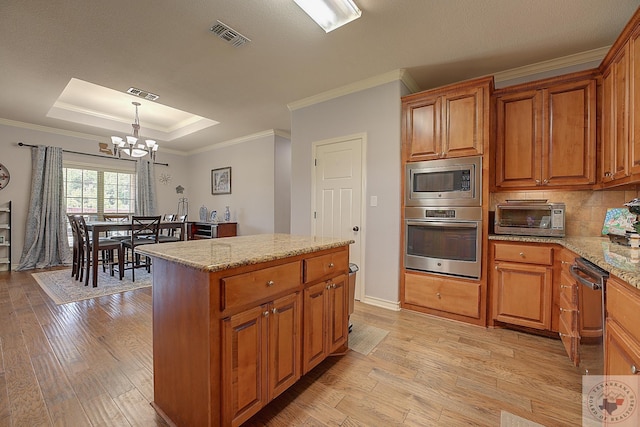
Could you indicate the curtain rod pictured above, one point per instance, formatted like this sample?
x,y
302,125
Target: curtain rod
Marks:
x,y
22,144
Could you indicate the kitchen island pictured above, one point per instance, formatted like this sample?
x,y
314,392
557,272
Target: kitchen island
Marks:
x,y
238,320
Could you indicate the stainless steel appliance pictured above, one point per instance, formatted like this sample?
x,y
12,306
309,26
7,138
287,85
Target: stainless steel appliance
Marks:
x,y
444,240
533,217
446,182
592,281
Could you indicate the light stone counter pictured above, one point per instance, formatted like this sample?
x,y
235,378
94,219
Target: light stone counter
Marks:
x,y
621,261
230,252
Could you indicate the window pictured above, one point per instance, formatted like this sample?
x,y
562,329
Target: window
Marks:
x,y
94,191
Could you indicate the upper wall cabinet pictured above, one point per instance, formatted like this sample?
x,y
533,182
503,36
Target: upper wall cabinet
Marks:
x,y
451,121
545,133
620,131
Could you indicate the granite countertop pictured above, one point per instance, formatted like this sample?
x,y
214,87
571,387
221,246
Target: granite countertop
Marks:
x,y
621,261
231,252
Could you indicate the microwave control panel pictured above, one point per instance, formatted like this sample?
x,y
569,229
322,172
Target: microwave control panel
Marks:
x,y
440,213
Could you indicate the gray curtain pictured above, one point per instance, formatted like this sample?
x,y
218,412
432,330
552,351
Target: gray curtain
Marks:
x,y
146,202
46,243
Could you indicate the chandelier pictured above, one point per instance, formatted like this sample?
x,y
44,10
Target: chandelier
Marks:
x,y
132,146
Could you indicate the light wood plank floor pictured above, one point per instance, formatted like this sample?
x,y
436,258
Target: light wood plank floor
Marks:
x,y
90,364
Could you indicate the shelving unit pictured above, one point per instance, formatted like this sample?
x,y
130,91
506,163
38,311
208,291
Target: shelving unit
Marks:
x,y
5,236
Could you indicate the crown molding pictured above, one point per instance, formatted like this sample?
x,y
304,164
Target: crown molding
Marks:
x,y
552,64
73,134
400,74
247,138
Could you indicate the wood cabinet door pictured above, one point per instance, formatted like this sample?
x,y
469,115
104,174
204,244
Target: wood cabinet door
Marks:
x,y
634,100
463,127
622,353
244,362
421,136
284,344
615,118
338,318
314,345
522,294
518,139
569,134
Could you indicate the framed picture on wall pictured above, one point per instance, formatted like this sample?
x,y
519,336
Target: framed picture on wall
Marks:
x,y
221,181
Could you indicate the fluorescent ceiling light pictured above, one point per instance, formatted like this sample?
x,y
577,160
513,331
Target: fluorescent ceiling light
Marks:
x,y
330,14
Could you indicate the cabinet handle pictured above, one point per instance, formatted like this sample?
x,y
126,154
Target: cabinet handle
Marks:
x,y
522,254
545,182
634,370
537,182
564,335
271,283
564,286
266,313
329,286
438,295
330,265
274,310
496,267
607,174
564,262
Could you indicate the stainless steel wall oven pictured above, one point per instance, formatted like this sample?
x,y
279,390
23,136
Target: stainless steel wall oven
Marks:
x,y
445,240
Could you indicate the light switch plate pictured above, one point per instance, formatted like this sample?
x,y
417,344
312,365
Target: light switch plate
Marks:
x,y
374,201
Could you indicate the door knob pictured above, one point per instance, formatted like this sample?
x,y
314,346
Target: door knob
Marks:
x,y
356,228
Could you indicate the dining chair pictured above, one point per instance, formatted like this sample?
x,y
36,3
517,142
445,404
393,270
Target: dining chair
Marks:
x,y
171,235
117,235
106,247
77,247
144,231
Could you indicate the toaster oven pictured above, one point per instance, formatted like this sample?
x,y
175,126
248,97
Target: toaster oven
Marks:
x,y
530,218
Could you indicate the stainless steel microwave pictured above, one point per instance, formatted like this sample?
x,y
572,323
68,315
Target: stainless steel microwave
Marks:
x,y
444,182
530,218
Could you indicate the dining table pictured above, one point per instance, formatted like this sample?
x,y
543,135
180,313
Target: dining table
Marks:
x,y
96,228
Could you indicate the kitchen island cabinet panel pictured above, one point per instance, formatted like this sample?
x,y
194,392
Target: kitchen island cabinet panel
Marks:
x,y
222,352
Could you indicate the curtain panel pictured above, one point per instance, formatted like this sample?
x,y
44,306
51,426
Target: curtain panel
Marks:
x,y
46,242
146,201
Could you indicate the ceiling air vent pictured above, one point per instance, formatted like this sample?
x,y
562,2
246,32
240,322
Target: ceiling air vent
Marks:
x,y
228,34
142,94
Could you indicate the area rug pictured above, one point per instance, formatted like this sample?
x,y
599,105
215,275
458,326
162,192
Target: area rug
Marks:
x,y
507,419
364,338
63,289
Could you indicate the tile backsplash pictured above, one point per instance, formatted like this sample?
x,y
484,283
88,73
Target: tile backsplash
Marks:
x,y
585,210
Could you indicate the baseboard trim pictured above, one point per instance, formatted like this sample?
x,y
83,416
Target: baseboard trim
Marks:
x,y
382,303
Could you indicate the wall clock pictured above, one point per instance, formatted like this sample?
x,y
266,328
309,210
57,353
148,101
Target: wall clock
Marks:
x,y
4,176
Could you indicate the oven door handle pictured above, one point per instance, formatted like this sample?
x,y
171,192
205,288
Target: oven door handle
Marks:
x,y
458,224
574,269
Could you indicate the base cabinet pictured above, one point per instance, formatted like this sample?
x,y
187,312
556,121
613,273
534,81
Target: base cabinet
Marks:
x,y
442,294
226,343
622,337
260,349
521,284
325,320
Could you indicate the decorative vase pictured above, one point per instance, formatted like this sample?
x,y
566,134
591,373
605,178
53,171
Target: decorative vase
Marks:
x,y
227,214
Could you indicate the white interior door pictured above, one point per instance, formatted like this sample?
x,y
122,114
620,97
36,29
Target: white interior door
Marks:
x,y
338,196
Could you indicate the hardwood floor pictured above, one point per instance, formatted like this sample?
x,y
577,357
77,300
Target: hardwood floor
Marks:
x,y
90,364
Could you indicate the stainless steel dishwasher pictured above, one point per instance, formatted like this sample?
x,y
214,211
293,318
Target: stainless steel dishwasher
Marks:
x,y
591,317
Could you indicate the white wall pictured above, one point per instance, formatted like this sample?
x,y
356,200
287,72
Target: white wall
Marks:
x,y
252,198
375,112
282,184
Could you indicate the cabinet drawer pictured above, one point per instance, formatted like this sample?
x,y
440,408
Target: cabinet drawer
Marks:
x,y
568,317
569,289
570,338
524,253
441,294
623,305
257,285
325,266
